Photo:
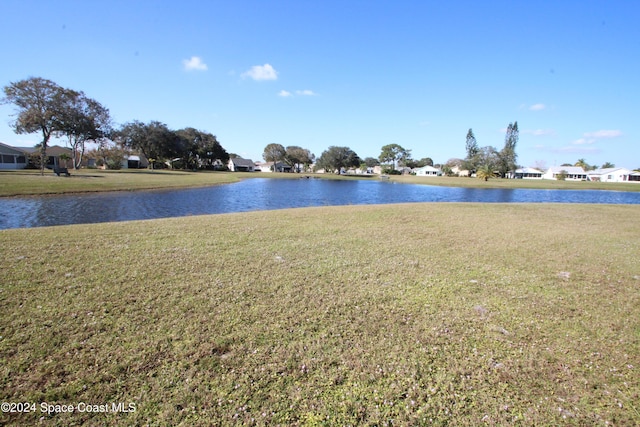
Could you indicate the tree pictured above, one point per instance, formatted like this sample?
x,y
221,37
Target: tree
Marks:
x,y
507,156
391,153
471,145
39,104
607,165
485,172
298,157
200,149
371,162
274,153
154,140
472,161
82,119
336,158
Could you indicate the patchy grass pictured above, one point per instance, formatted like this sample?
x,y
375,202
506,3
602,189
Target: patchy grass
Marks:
x,y
543,184
30,182
418,314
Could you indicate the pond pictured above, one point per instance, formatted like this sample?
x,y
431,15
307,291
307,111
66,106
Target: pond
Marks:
x,y
266,194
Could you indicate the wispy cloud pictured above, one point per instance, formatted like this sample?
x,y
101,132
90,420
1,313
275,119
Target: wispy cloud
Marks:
x,y
539,132
584,141
537,107
261,72
603,134
194,63
285,93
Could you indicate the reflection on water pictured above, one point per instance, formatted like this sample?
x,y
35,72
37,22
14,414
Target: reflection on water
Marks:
x,y
267,194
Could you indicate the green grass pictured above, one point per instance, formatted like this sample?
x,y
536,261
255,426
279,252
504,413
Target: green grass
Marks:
x,y
417,314
30,182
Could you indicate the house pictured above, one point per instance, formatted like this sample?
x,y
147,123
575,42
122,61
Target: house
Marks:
x,y
609,175
428,171
12,158
457,170
571,173
268,167
53,155
241,165
528,173
134,161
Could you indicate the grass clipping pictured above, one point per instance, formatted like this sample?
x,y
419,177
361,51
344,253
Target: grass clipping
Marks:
x,y
420,314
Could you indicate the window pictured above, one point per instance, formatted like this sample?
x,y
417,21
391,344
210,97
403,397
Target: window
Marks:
x,y
8,158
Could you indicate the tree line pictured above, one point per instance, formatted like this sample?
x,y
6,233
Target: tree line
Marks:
x,y
43,106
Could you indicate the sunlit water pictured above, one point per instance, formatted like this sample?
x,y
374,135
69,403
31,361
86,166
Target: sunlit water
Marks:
x,y
267,194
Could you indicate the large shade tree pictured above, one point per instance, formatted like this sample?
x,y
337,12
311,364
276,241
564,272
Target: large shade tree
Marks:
x,y
392,153
334,159
200,149
274,153
154,139
298,157
39,104
82,119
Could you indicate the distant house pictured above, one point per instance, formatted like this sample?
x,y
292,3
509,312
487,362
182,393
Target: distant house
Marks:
x,y
134,161
610,175
527,173
428,171
571,173
241,165
457,170
12,158
268,167
53,155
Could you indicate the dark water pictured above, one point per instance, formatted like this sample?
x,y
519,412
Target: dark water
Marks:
x,y
266,194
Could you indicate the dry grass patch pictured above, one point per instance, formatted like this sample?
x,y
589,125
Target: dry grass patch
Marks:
x,y
30,182
421,314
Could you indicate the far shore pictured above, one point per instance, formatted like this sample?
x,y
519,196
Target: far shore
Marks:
x,y
31,182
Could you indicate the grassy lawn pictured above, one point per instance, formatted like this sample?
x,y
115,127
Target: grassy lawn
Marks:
x,y
418,314
30,182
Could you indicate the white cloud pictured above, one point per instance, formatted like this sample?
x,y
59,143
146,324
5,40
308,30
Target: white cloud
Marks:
x,y
306,92
603,134
584,141
194,63
537,107
284,93
261,72
539,132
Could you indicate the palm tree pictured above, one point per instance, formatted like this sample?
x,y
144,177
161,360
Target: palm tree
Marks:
x,y
485,172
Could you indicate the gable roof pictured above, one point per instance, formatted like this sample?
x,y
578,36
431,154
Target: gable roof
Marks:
x,y
607,171
7,149
528,170
571,170
245,163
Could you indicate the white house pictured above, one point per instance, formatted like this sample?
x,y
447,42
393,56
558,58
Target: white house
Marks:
x,y
241,165
528,173
11,158
571,173
268,167
609,175
428,171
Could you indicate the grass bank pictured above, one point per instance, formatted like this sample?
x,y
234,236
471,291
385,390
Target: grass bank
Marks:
x,y
30,182
420,314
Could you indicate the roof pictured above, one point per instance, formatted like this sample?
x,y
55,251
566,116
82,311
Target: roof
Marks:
x,y
53,150
607,171
571,170
7,149
528,170
247,163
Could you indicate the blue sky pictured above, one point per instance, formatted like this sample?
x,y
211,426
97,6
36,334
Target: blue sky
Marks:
x,y
361,74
